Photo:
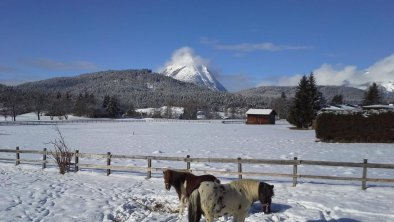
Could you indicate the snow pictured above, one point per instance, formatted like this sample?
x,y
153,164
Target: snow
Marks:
x,y
259,112
188,67
33,117
197,74
29,193
175,111
389,86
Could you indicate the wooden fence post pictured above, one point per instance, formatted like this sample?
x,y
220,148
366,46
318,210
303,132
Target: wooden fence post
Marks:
x,y
76,161
149,169
364,181
108,163
17,156
295,173
44,159
188,163
239,168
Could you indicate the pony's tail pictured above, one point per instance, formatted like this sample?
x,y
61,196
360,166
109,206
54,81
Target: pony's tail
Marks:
x,y
194,207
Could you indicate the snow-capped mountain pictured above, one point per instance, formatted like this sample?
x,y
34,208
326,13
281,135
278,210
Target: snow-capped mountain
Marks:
x,y
188,67
388,86
197,74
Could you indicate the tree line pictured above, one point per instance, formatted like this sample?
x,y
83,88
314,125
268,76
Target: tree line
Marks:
x,y
299,110
14,102
308,100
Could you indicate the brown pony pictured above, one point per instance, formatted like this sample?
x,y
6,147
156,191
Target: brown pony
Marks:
x,y
184,183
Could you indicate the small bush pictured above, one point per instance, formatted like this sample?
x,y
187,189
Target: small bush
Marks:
x,y
362,127
62,154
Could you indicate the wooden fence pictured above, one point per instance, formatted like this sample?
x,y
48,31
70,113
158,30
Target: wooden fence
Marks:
x,y
149,168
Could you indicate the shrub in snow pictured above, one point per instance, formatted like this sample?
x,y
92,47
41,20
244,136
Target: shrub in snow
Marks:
x,y
62,154
371,126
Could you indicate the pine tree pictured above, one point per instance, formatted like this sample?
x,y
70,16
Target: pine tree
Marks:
x,y
307,102
372,96
106,101
80,107
301,112
67,105
113,107
316,96
337,99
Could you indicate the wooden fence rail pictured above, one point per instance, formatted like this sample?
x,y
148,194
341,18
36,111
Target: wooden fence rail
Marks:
x,y
188,160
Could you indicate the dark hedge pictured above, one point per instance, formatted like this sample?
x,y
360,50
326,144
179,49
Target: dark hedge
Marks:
x,y
360,127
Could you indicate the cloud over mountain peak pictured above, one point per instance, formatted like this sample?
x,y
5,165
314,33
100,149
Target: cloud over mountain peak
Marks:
x,y
186,66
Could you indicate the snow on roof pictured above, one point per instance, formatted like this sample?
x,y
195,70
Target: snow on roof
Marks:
x,y
379,107
339,108
259,111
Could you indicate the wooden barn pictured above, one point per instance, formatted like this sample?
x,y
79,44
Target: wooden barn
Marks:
x,y
260,116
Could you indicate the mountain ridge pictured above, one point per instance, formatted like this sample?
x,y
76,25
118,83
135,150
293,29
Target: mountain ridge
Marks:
x,y
144,88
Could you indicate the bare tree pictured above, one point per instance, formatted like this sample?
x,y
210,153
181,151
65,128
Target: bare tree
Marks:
x,y
38,102
14,102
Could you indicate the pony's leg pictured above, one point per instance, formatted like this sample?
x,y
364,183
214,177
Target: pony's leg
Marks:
x,y
182,205
239,218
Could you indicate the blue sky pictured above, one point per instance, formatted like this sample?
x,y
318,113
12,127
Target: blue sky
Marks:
x,y
246,43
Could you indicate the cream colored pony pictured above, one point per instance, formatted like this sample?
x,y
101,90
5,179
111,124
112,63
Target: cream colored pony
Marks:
x,y
215,200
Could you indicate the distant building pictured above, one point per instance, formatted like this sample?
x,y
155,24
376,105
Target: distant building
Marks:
x,y
340,107
260,116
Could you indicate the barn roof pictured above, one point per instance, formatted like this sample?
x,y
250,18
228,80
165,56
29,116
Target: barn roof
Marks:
x,y
260,112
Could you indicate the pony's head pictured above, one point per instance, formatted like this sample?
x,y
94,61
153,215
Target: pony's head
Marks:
x,y
266,192
167,178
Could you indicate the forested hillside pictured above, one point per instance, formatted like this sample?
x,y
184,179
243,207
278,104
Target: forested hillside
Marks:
x,y
142,88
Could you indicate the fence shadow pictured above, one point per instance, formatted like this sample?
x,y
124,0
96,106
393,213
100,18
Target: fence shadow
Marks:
x,y
276,208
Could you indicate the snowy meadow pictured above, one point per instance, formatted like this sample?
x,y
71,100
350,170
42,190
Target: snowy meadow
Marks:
x,y
29,193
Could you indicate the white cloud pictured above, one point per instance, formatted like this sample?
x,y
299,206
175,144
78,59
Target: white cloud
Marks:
x,y
382,70
52,65
326,74
264,46
7,69
250,47
288,81
185,56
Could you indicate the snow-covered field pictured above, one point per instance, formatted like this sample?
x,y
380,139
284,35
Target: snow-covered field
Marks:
x,y
28,193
